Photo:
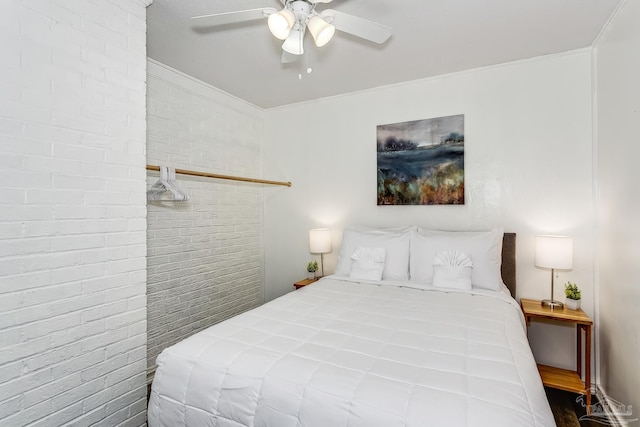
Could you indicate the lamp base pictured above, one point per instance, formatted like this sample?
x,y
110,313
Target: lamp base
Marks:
x,y
552,303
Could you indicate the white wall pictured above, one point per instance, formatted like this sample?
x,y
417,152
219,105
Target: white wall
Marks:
x,y
205,255
618,126
72,213
528,168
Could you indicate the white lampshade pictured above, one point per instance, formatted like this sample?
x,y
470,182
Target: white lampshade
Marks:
x,y
554,252
280,23
294,43
321,31
320,240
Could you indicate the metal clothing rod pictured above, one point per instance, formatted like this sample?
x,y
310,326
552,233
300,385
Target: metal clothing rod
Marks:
x,y
217,176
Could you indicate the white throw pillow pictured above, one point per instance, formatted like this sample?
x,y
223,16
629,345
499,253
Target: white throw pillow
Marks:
x,y
483,247
395,243
367,263
452,269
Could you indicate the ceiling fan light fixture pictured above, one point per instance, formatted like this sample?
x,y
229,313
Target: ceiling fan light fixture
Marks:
x,y
280,23
294,43
321,30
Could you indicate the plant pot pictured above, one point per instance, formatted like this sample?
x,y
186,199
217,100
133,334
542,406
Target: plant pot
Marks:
x,y
572,304
311,275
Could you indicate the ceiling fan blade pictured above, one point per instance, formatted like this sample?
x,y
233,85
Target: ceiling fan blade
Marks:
x,y
357,26
320,1
237,16
289,58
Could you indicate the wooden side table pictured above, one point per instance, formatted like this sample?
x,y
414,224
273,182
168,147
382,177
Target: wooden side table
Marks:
x,y
304,282
564,379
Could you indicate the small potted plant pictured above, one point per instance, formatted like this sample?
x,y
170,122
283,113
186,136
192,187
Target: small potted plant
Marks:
x,y
572,292
312,267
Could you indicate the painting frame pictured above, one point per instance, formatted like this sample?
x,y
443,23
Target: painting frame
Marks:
x,y
421,162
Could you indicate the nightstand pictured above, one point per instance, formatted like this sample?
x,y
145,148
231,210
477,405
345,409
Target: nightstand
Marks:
x,y
564,379
304,282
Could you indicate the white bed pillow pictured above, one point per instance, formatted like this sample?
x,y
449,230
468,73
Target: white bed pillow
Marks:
x,y
483,247
395,243
367,263
378,230
452,269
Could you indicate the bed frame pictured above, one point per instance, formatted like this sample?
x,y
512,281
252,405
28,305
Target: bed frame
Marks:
x,y
508,268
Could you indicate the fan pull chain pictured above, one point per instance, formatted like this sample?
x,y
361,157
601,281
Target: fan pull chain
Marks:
x,y
301,44
309,69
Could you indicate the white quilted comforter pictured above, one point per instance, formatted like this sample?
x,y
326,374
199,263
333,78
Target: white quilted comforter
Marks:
x,y
341,353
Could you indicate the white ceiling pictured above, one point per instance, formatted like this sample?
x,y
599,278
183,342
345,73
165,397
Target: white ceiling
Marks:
x,y
430,37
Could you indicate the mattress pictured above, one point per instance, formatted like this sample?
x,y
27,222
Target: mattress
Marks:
x,y
344,353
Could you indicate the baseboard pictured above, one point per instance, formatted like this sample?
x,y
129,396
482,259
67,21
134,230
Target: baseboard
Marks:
x,y
608,411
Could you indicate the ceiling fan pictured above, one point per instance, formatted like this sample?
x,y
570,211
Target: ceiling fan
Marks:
x,y
297,16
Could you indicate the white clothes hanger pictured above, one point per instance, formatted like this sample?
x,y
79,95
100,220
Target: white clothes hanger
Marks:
x,y
166,189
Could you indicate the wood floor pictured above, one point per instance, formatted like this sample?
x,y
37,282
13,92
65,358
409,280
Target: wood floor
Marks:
x,y
567,410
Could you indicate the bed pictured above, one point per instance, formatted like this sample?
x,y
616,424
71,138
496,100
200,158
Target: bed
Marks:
x,y
353,351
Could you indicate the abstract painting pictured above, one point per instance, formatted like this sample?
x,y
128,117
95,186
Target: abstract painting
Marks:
x,y
421,162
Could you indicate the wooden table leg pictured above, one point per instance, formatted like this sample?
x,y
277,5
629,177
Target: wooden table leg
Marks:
x,y
587,366
579,350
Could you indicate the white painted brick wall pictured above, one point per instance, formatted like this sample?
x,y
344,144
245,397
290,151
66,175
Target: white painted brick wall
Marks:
x,y
205,256
72,213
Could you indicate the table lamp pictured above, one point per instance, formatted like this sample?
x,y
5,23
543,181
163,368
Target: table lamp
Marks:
x,y
554,252
320,243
